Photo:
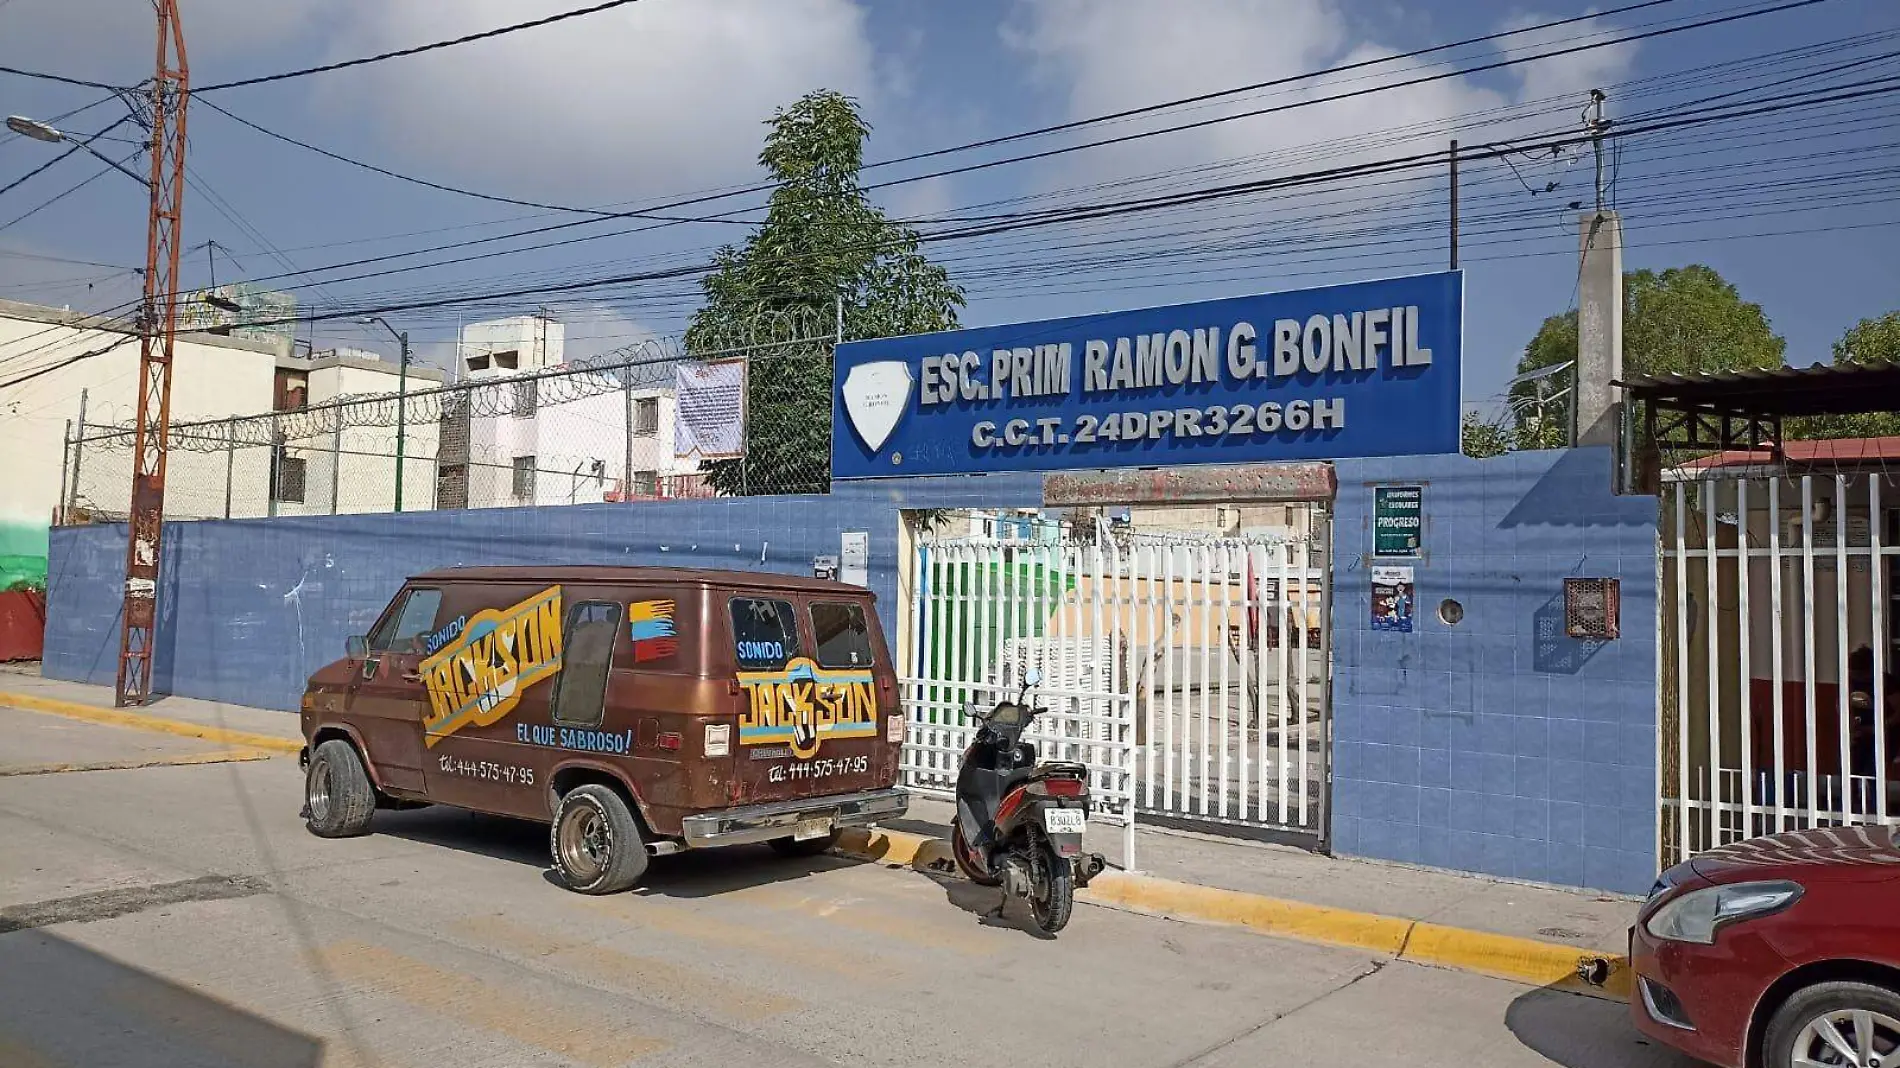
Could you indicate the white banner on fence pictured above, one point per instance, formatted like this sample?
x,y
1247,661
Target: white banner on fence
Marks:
x,y
709,422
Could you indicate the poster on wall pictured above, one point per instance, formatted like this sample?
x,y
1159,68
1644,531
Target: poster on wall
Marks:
x,y
1398,521
1362,369
709,410
854,558
1393,595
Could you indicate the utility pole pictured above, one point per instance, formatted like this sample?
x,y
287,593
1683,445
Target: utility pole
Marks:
x,y
402,409
158,328
1454,203
79,452
1594,402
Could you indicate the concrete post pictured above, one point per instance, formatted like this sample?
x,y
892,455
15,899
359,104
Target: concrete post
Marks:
x,y
1596,403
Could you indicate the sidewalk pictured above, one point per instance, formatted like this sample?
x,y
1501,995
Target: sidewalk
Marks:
x,y
1585,920
1530,933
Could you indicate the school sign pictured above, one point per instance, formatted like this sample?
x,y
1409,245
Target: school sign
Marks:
x,y
1367,369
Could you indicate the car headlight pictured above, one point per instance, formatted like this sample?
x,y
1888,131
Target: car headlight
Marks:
x,y
1697,915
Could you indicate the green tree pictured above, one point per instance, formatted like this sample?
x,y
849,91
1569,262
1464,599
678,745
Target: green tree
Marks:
x,y
822,240
1870,341
1479,439
1681,320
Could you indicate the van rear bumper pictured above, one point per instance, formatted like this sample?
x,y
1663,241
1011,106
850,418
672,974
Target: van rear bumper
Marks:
x,y
760,823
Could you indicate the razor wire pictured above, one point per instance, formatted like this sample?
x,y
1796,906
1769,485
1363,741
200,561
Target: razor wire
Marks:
x,y
593,430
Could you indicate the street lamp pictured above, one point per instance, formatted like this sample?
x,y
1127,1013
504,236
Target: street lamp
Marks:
x,y
402,395
40,131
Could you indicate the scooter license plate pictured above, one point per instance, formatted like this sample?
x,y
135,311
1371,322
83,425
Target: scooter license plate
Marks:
x,y
1064,820
806,830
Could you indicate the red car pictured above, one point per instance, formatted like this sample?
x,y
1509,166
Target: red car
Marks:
x,y
1777,952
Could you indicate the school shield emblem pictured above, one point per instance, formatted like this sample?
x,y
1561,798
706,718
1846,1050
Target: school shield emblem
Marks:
x,y
875,396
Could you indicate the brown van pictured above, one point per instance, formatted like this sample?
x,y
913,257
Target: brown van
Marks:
x,y
638,710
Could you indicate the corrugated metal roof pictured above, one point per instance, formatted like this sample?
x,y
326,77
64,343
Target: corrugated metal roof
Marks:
x,y
1819,389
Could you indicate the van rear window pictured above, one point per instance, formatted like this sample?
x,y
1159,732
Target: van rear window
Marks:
x,y
844,640
764,633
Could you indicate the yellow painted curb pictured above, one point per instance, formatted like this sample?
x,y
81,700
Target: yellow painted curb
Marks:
x,y
1524,960
220,756
140,721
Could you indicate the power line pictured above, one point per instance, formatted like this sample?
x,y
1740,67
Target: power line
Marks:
x,y
61,78
57,197
77,146
418,49
459,191
1436,76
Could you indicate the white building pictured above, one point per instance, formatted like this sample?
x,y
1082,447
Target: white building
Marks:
x,y
327,465
52,358
535,430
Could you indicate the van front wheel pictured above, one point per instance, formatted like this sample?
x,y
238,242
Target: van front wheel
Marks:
x,y
338,797
596,843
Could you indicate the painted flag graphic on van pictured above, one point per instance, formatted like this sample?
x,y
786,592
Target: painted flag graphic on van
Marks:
x,y
650,625
480,676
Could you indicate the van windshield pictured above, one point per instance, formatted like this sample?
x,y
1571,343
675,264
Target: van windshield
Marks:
x,y
764,633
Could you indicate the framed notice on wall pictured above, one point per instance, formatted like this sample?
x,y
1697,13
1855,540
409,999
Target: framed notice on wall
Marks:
x,y
1398,522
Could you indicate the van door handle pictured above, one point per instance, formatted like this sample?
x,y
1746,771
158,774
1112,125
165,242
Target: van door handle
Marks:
x,y
412,676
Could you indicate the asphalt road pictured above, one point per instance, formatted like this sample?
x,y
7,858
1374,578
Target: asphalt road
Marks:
x,y
180,915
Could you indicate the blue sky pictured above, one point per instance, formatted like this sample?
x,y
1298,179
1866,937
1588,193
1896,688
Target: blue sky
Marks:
x,y
665,97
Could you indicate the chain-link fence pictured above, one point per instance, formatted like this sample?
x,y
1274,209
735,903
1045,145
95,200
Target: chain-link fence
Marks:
x,y
650,422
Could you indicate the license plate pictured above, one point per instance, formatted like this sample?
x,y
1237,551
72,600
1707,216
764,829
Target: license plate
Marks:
x,y
806,830
1064,820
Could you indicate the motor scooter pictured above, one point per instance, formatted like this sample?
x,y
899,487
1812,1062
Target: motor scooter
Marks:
x,y
1019,823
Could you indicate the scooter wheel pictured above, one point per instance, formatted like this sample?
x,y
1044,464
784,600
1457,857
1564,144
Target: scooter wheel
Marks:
x,y
961,851
1052,891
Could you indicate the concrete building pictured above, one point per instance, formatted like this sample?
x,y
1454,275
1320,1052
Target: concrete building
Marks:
x,y
327,467
73,356
534,430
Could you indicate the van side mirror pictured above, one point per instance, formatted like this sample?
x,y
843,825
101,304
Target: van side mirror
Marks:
x,y
356,646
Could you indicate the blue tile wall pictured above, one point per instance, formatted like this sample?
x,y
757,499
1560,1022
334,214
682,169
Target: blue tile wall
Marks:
x,y
249,608
1499,745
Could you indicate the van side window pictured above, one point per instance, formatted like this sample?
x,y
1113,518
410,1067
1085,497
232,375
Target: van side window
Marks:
x,y
764,633
580,690
402,630
841,634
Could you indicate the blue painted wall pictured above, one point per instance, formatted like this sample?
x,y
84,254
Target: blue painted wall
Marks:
x,y
1496,746
251,607
1500,745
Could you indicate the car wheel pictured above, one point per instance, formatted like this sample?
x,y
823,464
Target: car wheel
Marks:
x,y
810,847
1835,1023
596,843
338,797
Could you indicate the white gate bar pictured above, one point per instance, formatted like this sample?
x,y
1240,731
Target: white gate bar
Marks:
x,y
1711,533
1807,635
1775,637
1681,558
1745,579
1280,659
1305,661
1226,676
1168,692
1243,643
1841,524
1877,594
1261,666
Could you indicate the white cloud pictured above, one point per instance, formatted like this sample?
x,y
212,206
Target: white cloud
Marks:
x,y
637,101
1109,55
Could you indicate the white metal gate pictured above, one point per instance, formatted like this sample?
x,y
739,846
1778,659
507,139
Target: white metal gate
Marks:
x,y
1777,606
1190,674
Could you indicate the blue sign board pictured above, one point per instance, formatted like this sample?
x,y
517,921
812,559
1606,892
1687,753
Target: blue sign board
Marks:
x,y
1367,369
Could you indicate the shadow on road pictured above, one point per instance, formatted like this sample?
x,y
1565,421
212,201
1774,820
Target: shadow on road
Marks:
x,y
1577,1031
704,873
63,1004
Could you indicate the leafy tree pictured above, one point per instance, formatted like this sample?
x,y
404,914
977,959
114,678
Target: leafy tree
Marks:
x,y
1479,439
1870,341
1681,320
822,240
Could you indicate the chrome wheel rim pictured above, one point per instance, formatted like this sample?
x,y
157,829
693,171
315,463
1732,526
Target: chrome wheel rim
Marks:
x,y
585,842
317,792
1860,1038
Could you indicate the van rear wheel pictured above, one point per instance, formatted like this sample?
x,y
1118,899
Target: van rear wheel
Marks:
x,y
596,842
810,847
